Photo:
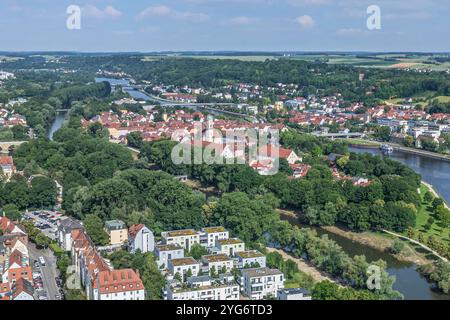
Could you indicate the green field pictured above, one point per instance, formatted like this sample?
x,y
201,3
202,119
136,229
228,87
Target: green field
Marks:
x,y
424,213
399,61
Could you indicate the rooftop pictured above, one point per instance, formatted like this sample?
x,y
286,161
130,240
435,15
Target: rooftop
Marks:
x,y
183,261
179,233
115,225
230,241
261,272
216,258
214,229
168,247
249,254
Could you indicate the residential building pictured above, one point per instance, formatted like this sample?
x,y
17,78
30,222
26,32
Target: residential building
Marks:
x,y
294,294
124,284
260,283
184,238
210,235
22,290
251,259
64,233
229,246
218,263
166,252
141,238
203,288
182,267
117,232
7,166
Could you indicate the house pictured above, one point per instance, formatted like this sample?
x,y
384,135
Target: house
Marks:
x,y
141,238
203,288
260,283
7,165
117,232
124,284
64,232
210,235
229,246
294,294
16,267
166,252
184,238
272,152
22,290
182,266
251,259
217,262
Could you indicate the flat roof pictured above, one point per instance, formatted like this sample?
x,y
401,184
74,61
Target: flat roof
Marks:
x,y
230,241
183,261
261,272
168,247
214,229
249,254
216,258
115,225
179,233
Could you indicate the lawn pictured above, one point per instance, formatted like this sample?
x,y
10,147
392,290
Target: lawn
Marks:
x,y
424,213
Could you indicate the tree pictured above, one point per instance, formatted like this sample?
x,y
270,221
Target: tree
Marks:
x,y
397,246
94,227
197,251
437,202
428,197
12,212
135,139
42,241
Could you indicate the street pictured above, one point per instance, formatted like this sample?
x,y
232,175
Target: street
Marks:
x,y
49,271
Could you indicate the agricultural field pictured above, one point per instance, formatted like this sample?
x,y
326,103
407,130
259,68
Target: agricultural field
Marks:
x,y
399,61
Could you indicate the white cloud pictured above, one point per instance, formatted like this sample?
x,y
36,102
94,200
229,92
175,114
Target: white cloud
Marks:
x,y
305,21
191,16
154,11
159,11
96,13
242,20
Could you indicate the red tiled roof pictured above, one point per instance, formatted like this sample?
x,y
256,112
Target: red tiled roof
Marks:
x,y
118,281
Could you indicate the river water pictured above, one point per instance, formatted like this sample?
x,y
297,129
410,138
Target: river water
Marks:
x,y
57,123
409,282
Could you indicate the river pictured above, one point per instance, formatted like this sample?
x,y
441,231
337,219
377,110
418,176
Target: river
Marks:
x,y
57,123
409,282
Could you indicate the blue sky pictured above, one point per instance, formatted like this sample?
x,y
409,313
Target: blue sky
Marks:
x,y
273,25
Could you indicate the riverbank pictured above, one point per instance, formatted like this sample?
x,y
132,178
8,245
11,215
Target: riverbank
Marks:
x,y
306,267
435,193
378,241
381,242
361,143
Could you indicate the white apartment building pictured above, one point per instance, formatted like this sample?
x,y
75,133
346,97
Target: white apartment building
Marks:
x,y
218,262
230,246
260,283
204,288
141,238
183,265
166,252
184,238
247,259
209,236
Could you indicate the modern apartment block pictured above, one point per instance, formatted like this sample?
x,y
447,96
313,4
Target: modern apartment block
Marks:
x,y
117,232
261,283
184,238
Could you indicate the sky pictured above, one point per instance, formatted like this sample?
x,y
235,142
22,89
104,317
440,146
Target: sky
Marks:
x,y
216,25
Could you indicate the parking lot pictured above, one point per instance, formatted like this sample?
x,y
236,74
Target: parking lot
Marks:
x,y
46,221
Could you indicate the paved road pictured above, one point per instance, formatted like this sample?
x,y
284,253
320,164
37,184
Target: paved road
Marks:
x,y
49,271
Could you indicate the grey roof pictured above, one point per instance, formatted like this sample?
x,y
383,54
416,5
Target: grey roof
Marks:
x,y
115,225
69,224
304,291
261,272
